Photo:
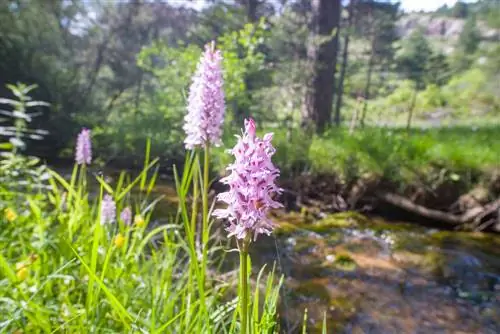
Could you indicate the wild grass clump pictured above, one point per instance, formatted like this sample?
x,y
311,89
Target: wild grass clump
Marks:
x,y
65,268
80,261
392,153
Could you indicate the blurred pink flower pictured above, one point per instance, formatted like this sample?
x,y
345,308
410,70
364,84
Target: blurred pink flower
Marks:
x,y
83,148
126,216
108,210
252,186
206,107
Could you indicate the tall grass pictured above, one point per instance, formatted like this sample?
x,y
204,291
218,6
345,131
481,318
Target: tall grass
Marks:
x,y
64,271
390,152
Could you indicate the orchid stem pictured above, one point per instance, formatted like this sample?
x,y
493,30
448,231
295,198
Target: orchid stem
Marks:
x,y
244,286
204,230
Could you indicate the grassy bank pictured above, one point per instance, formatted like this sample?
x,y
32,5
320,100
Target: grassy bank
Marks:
x,y
392,153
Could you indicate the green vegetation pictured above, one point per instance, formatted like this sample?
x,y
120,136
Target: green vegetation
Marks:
x,y
392,153
135,88
64,271
71,261
353,92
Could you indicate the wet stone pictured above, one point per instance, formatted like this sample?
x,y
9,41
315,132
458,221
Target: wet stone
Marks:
x,y
377,277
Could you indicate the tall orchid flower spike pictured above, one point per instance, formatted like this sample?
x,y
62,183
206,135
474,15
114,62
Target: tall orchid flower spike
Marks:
x,y
126,216
83,155
108,210
251,186
206,106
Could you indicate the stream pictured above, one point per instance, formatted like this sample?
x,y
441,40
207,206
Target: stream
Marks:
x,y
368,275
372,276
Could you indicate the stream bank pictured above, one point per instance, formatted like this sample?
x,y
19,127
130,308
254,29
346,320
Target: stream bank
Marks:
x,y
368,274
452,203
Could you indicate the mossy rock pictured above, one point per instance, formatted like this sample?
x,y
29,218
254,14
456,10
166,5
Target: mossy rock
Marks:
x,y
338,220
284,228
314,288
345,262
302,244
486,243
410,242
380,225
343,305
340,311
293,221
287,223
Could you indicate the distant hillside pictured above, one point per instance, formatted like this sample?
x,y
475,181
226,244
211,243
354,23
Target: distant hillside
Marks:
x,y
441,26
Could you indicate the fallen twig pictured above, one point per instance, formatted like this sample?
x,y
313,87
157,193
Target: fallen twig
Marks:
x,y
473,215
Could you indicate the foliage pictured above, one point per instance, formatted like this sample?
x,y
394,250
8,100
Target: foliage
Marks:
x,y
469,37
468,44
432,98
160,109
21,174
438,69
159,112
244,65
460,149
414,56
472,92
62,269
112,65
18,132
485,10
460,9
123,68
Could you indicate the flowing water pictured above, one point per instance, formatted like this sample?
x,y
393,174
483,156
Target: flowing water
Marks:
x,y
370,276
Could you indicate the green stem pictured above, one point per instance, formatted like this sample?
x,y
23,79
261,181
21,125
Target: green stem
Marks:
x,y
194,205
84,178
244,286
194,216
205,232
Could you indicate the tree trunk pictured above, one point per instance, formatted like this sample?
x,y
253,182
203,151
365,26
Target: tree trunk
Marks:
x,y
354,119
412,107
322,52
241,112
101,52
368,83
138,91
345,52
251,6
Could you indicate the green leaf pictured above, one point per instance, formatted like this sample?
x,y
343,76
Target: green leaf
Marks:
x,y
117,306
7,270
105,185
10,102
37,104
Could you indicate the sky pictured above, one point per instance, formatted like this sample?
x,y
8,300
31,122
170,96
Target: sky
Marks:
x,y
407,5
426,5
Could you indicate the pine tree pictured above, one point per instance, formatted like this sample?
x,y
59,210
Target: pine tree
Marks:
x,y
470,37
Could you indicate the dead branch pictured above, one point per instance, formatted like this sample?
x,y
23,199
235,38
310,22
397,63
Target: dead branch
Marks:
x,y
473,215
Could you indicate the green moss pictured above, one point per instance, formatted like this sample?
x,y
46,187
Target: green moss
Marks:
x,y
293,221
482,240
338,220
303,244
380,225
344,304
344,262
481,244
284,227
434,263
314,289
340,311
